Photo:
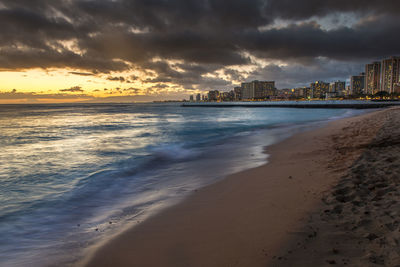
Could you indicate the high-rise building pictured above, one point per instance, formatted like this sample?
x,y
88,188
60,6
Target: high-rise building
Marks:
x,y
332,88
191,98
231,95
396,88
198,97
307,92
348,90
340,88
372,78
319,89
226,96
247,92
337,88
390,74
237,93
357,84
213,95
300,92
258,89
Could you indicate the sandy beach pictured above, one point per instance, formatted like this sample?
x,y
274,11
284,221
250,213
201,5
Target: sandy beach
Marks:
x,y
326,196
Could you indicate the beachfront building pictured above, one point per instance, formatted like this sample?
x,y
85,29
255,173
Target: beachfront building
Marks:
x,y
340,88
372,78
332,88
307,92
226,96
237,91
390,74
285,94
357,84
258,89
300,92
191,98
348,90
297,92
198,97
396,88
231,95
319,89
213,95
337,88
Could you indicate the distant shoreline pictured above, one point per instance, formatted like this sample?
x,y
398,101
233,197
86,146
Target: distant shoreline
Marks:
x,y
294,104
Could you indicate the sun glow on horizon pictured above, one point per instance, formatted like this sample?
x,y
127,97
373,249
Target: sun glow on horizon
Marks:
x,y
72,85
54,80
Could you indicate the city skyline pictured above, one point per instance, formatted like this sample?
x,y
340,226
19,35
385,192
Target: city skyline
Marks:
x,y
378,79
124,51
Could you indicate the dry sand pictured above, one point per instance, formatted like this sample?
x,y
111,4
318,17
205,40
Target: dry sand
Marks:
x,y
358,223
273,215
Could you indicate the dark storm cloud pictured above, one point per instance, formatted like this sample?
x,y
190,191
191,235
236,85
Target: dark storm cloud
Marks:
x,y
206,35
31,22
190,75
160,15
15,58
303,9
372,38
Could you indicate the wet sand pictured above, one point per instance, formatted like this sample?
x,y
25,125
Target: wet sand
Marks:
x,y
273,215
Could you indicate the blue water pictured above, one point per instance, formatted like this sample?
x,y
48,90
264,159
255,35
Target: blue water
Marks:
x,y
73,175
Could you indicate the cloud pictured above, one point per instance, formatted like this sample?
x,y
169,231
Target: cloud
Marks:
x,y
119,79
308,40
75,89
33,97
183,42
81,73
303,9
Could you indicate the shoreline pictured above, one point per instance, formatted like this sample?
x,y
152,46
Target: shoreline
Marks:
x,y
235,221
297,104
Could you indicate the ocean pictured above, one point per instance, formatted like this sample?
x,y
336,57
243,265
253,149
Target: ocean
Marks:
x,y
74,175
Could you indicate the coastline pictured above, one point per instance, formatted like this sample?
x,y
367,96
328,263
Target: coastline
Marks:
x,y
331,104
236,221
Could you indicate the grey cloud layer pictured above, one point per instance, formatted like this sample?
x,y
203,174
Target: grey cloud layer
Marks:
x,y
205,34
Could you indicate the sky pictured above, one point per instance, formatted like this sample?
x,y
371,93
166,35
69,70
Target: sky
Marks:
x,y
55,51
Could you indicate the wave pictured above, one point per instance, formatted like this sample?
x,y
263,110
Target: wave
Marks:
x,y
350,113
173,152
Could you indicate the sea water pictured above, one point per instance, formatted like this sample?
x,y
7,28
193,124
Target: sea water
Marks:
x,y
72,175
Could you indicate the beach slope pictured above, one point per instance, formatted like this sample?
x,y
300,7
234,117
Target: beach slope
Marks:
x,y
358,223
